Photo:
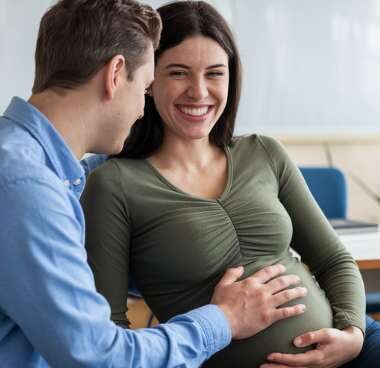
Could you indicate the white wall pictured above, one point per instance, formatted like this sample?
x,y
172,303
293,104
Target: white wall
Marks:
x,y
19,21
310,66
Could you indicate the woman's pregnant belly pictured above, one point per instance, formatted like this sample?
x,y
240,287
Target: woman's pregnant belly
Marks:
x,y
252,352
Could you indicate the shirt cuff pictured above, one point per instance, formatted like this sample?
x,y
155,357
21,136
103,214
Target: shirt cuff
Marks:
x,y
215,326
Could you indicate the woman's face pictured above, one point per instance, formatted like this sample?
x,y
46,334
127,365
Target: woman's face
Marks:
x,y
191,87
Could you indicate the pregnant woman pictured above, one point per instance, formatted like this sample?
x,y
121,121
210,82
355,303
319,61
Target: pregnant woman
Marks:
x,y
186,200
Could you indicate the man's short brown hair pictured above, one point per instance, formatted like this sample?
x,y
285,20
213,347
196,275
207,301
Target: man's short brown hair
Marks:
x,y
78,37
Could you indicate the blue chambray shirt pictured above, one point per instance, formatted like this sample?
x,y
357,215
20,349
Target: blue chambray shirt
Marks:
x,y
50,312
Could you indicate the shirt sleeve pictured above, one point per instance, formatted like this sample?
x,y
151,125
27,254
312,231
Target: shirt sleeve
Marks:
x,y
107,241
317,242
47,289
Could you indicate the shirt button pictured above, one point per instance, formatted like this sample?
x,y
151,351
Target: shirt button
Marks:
x,y
66,182
77,182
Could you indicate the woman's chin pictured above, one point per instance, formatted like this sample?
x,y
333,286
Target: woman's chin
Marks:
x,y
196,134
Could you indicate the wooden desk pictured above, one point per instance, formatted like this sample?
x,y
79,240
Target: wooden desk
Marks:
x,y
369,264
365,248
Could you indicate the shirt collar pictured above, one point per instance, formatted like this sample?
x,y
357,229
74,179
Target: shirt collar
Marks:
x,y
62,159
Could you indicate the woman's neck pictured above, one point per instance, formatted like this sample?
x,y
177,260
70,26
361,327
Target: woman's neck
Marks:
x,y
195,166
186,155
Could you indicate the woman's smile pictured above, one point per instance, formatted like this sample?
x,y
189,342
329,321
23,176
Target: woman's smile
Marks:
x,y
195,113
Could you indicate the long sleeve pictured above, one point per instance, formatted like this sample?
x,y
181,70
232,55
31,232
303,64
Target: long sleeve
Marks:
x,y
317,243
48,297
108,238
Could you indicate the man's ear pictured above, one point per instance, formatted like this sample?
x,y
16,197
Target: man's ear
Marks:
x,y
115,73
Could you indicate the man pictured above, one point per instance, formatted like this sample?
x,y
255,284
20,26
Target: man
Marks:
x,y
94,60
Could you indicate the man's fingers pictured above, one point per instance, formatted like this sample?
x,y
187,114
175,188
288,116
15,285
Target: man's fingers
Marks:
x,y
283,282
314,337
288,295
286,312
231,275
268,273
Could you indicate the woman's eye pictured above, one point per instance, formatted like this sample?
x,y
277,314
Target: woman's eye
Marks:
x,y
215,74
177,73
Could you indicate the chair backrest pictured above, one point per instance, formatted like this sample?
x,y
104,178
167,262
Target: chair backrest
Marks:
x,y
329,188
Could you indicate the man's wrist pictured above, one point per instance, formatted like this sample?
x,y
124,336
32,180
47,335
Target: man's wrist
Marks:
x,y
229,317
215,326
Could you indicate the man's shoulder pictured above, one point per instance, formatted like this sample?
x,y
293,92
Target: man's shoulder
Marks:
x,y
20,173
32,196
23,159
15,170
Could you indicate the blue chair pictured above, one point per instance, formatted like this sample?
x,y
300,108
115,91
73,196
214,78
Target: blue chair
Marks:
x,y
373,302
329,188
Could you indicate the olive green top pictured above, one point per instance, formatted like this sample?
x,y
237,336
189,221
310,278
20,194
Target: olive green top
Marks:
x,y
176,246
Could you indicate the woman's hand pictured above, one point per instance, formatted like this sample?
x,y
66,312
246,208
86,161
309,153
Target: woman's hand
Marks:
x,y
333,348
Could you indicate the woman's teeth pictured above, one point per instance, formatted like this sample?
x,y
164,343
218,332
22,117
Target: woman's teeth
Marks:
x,y
194,111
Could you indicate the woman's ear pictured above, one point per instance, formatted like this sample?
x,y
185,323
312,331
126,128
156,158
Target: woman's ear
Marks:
x,y
115,74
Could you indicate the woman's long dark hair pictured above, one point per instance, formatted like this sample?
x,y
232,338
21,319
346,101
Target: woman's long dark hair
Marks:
x,y
183,19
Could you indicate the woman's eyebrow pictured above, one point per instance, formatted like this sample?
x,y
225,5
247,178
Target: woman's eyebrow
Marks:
x,y
177,66
187,67
217,66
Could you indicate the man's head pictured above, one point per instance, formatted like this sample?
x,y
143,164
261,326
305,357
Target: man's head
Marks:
x,y
78,37
102,51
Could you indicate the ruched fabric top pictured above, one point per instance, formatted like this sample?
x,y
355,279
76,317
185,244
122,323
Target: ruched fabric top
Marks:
x,y
176,246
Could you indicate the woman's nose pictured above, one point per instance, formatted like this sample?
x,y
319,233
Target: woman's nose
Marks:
x,y
198,89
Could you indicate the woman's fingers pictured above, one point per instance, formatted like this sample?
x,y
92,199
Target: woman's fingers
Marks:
x,y
312,357
333,348
322,336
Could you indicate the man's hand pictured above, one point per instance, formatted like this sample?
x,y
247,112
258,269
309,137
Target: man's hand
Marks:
x,y
333,349
251,305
